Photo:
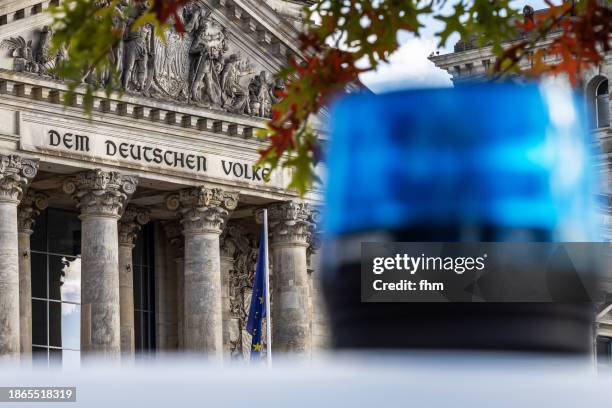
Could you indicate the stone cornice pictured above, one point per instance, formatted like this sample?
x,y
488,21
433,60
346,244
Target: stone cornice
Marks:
x,y
42,89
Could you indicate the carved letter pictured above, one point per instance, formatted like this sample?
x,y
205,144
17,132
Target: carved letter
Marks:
x,y
145,151
201,163
226,169
54,138
179,157
136,156
82,143
168,161
123,150
67,139
238,166
256,175
108,148
157,155
246,172
190,161
266,174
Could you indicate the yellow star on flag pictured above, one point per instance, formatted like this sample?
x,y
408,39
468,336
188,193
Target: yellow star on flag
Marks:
x,y
257,346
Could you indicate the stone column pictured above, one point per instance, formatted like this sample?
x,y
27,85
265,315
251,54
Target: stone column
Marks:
x,y
29,208
175,237
132,220
203,211
290,226
101,196
15,174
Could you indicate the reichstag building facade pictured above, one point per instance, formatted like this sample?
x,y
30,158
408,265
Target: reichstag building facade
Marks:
x,y
136,228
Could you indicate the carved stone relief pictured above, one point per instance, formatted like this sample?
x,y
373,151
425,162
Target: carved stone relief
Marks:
x,y
198,67
242,246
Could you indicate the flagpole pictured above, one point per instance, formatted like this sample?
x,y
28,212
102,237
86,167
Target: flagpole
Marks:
x,y
267,275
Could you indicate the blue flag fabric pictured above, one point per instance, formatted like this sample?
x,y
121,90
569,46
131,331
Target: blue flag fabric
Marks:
x,y
257,311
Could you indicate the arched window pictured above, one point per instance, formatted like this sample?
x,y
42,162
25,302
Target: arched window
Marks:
x,y
602,105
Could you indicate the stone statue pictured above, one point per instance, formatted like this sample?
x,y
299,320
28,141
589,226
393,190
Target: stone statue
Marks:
x,y
137,51
235,96
21,51
262,90
206,56
115,56
42,61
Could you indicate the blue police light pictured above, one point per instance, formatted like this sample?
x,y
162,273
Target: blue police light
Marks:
x,y
502,155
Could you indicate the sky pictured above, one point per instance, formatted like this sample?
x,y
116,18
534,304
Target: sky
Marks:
x,y
409,66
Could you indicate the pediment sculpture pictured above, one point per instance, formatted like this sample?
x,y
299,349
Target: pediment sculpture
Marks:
x,y
196,67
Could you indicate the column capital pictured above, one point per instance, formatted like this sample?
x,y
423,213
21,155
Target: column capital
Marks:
x,y
291,222
15,174
175,235
32,203
131,221
202,209
99,192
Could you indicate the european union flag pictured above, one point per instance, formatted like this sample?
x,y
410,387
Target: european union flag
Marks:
x,y
257,311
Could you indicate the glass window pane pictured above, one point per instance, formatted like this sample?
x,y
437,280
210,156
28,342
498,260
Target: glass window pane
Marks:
x,y
71,326
39,322
64,232
55,324
65,278
39,356
146,234
137,253
39,275
64,325
56,267
38,239
145,287
603,111
137,288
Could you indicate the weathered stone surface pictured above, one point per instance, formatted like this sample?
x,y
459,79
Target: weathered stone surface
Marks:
x,y
15,173
99,192
291,229
131,221
203,313
203,212
199,66
32,203
29,208
9,281
101,197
